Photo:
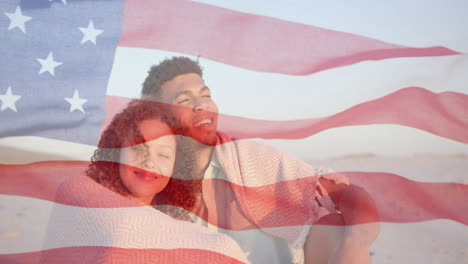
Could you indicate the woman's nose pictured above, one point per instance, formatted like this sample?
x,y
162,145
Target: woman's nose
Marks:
x,y
149,164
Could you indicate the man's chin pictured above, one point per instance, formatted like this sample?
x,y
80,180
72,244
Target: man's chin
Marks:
x,y
207,138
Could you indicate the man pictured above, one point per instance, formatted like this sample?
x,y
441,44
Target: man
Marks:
x,y
207,154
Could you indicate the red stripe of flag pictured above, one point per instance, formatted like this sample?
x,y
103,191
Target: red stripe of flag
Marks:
x,y
249,41
398,199
100,254
443,114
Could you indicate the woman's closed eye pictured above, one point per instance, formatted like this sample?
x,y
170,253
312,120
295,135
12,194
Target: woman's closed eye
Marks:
x,y
138,153
164,155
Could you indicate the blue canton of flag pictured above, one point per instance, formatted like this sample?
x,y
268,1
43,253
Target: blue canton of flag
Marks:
x,y
56,61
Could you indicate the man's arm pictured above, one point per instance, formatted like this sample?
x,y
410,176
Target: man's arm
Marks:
x,y
345,237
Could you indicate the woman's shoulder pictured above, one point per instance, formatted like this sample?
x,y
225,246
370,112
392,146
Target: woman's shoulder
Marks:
x,y
81,190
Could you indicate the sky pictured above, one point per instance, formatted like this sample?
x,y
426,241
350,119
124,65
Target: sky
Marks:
x,y
270,96
281,97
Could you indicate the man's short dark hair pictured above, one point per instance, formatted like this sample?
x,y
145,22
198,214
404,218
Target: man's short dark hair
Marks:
x,y
167,70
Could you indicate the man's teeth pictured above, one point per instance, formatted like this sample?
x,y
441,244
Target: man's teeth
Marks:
x,y
203,122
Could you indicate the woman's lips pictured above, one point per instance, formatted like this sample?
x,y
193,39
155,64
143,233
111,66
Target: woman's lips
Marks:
x,y
146,175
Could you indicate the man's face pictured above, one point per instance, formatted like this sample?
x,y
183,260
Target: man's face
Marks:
x,y
193,108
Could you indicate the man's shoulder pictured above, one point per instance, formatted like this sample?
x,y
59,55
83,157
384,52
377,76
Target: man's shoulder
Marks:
x,y
265,161
263,151
247,145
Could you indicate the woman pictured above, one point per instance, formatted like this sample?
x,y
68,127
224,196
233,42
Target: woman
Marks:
x,y
136,153
132,167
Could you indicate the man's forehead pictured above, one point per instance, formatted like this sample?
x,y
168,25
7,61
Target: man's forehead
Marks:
x,y
183,82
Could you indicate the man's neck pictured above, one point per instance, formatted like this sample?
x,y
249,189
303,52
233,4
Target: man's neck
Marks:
x,y
194,158
203,156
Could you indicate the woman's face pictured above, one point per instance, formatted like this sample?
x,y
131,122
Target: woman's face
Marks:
x,y
145,168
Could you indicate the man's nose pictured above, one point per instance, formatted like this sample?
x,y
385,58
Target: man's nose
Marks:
x,y
200,104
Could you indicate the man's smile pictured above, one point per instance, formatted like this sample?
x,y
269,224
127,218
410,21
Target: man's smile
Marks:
x,y
205,122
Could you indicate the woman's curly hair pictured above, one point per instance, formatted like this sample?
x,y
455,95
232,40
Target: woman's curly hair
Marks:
x,y
123,131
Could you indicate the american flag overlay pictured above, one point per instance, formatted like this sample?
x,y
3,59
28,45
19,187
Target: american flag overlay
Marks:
x,y
378,93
